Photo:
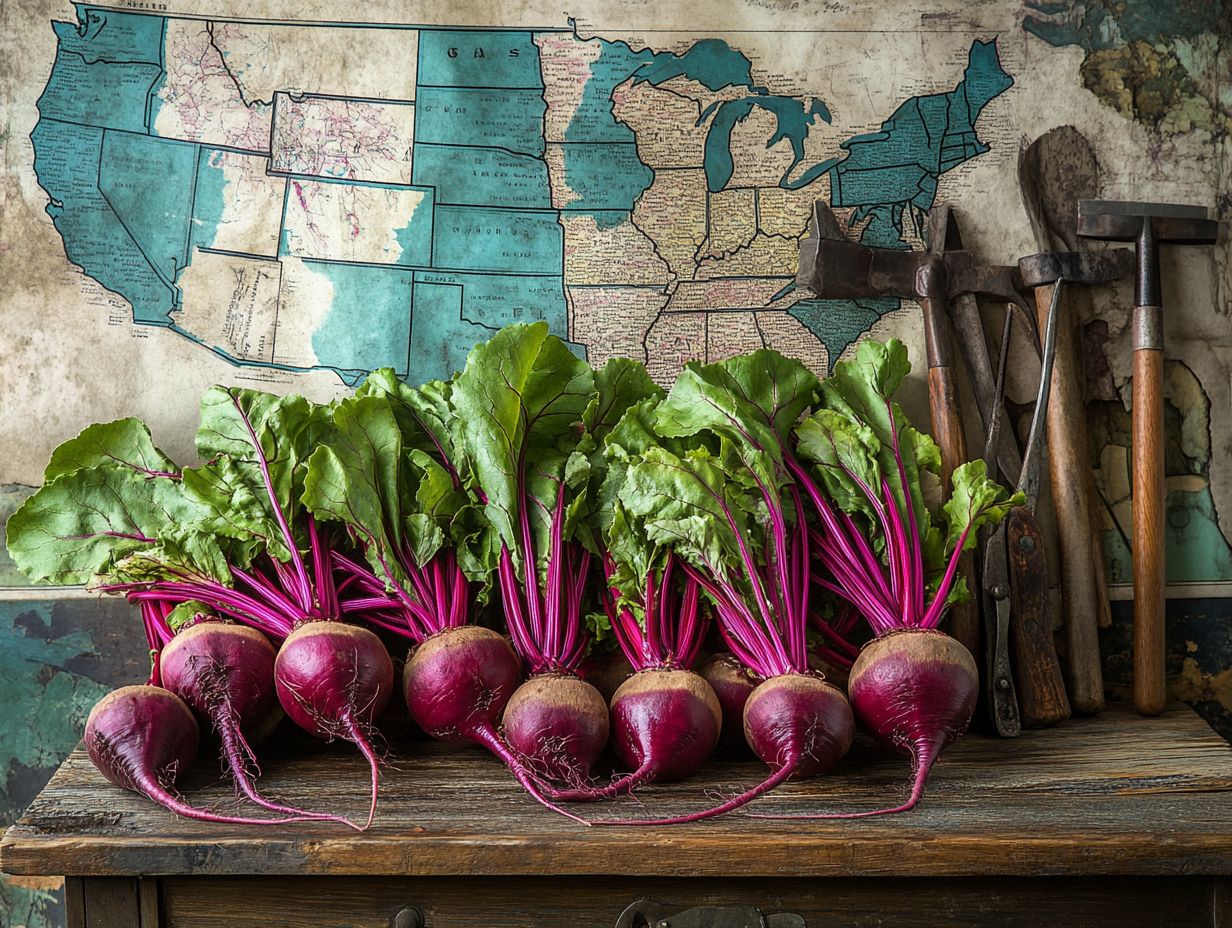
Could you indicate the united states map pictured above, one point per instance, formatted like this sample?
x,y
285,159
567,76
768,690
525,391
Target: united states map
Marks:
x,y
234,183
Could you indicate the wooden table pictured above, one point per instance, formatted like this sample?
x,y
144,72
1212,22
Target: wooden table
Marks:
x,y
1109,821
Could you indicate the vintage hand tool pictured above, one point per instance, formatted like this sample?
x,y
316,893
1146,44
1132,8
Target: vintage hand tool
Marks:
x,y
969,333
1070,469
1015,575
835,268
1148,225
1056,171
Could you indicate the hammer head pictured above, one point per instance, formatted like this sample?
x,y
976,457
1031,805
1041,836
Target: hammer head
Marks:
x,y
1123,221
1075,267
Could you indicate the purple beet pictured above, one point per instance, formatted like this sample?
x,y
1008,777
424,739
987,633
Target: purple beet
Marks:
x,y
332,680
798,724
665,724
456,685
559,723
225,673
914,690
142,738
732,683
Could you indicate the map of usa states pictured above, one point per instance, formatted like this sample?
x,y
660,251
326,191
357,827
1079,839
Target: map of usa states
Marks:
x,y
289,205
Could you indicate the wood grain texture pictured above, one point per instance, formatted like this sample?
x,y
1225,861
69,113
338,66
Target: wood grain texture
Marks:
x,y
1037,672
1148,508
1177,902
1115,794
1068,462
947,428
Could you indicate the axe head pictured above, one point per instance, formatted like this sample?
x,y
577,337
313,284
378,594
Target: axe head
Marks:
x,y
837,269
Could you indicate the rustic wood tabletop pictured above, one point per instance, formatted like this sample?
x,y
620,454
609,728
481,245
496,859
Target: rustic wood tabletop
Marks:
x,y
1115,794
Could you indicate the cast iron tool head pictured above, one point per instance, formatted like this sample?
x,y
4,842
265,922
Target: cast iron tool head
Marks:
x,y
1148,225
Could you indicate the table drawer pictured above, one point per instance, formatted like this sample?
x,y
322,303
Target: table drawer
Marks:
x,y
346,902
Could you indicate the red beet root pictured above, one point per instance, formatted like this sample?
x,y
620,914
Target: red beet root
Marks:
x,y
559,723
665,724
942,679
333,679
914,690
456,685
798,724
732,683
142,738
225,673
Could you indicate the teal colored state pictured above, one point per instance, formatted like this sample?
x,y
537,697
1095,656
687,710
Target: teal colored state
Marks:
x,y
711,62
440,337
482,176
148,183
793,121
107,70
369,320
593,120
106,35
501,118
208,203
496,300
924,137
605,177
94,237
478,59
477,238
113,96
600,155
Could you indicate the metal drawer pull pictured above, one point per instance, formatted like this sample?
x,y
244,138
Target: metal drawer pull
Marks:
x,y
646,913
409,917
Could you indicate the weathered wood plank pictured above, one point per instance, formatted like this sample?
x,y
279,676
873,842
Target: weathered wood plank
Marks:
x,y
1114,902
1112,795
111,902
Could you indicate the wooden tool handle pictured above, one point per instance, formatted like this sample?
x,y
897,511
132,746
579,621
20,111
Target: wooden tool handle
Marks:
x,y
1037,672
946,417
1067,464
1148,504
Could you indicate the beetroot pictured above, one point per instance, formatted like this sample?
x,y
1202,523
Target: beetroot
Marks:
x,y
559,723
666,724
225,673
941,676
456,685
332,680
732,683
142,738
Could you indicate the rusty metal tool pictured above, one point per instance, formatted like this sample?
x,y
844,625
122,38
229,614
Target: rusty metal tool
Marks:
x,y
969,333
1148,225
835,268
1015,572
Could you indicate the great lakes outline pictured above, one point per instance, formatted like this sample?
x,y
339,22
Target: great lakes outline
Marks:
x,y
234,184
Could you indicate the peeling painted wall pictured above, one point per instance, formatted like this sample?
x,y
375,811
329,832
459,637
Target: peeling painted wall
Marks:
x,y
57,658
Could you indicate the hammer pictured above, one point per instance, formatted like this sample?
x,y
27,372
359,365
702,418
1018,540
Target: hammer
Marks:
x,y
1148,225
1068,466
